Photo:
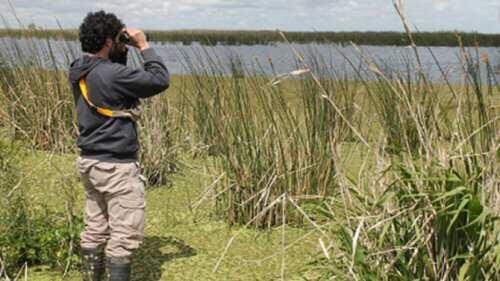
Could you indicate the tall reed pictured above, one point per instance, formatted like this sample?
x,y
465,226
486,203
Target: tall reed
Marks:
x,y
397,173
268,148
430,213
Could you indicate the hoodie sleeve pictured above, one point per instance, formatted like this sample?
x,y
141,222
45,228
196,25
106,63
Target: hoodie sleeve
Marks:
x,y
142,83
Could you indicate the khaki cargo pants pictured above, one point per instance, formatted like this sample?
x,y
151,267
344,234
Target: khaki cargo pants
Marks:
x,y
114,206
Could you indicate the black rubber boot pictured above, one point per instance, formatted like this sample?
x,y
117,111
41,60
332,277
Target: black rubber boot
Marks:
x,y
92,264
119,269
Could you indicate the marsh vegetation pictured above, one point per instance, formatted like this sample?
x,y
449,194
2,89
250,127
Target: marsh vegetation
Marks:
x,y
387,175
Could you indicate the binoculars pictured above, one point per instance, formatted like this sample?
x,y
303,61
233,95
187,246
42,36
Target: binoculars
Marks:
x,y
124,37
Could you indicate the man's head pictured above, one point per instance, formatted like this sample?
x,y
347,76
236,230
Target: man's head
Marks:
x,y
99,34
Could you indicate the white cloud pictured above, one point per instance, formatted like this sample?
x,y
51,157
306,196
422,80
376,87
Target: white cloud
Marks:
x,y
441,5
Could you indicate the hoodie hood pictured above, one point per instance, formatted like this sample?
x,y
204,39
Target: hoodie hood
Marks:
x,y
82,66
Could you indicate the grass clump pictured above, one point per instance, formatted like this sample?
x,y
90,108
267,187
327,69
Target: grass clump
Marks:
x,y
32,234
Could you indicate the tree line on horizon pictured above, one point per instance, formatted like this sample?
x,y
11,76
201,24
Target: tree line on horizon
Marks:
x,y
265,37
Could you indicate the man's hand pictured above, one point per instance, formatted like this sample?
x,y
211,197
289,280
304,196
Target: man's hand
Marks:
x,y
137,38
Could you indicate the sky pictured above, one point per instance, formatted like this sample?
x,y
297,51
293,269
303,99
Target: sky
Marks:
x,y
298,15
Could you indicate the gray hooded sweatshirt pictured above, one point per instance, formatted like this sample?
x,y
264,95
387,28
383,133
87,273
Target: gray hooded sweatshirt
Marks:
x,y
117,87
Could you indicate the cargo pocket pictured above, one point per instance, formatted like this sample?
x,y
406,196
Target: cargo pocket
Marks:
x,y
101,174
131,216
132,204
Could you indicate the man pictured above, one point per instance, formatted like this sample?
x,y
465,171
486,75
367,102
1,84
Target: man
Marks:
x,y
107,94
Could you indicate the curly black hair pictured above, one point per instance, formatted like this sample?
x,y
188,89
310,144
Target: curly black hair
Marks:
x,y
96,27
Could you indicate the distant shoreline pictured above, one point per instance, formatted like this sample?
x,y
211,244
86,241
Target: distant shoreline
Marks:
x,y
265,37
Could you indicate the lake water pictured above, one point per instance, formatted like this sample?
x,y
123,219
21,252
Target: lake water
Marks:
x,y
261,59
